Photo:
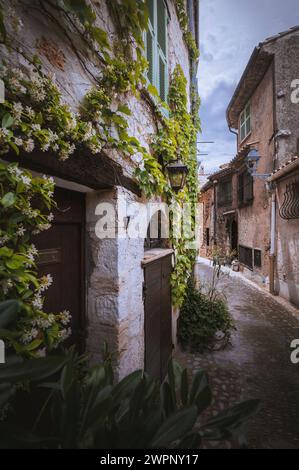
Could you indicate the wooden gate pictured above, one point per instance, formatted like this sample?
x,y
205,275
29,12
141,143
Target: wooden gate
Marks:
x,y
61,254
157,311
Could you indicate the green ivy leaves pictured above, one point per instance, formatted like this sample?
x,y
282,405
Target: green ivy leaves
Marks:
x,y
8,199
7,121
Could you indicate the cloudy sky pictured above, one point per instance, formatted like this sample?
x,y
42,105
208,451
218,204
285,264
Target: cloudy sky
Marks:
x,y
229,31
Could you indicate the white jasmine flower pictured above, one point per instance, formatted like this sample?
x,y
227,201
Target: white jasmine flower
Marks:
x,y
3,132
44,322
29,335
26,180
52,136
46,282
66,152
18,141
45,147
50,217
17,110
30,112
28,145
43,227
38,94
41,352
17,73
37,302
33,250
65,317
64,334
14,170
49,179
36,127
20,231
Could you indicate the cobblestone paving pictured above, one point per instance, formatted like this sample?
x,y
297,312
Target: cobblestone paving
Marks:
x,y
256,365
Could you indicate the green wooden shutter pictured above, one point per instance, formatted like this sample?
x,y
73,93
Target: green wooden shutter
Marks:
x,y
150,54
162,68
156,46
161,26
150,41
150,7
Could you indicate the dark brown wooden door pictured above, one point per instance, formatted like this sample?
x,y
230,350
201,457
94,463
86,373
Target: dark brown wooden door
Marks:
x,y
61,254
157,310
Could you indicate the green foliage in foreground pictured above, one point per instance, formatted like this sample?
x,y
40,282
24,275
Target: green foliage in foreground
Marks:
x,y
202,315
58,402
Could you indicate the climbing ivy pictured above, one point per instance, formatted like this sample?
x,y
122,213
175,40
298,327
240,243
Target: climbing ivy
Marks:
x,y
34,114
178,139
184,23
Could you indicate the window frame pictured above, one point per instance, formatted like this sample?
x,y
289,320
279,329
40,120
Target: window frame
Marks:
x,y
257,258
243,249
242,200
245,118
228,195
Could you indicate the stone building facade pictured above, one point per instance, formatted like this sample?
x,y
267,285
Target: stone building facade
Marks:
x,y
265,118
112,270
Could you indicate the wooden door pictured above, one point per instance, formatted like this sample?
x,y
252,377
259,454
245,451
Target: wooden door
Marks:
x,y
61,254
157,310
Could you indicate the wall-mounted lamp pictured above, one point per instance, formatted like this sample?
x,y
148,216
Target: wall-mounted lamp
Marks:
x,y
177,173
252,161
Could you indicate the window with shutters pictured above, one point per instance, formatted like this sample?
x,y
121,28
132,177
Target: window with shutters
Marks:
x,y
245,122
224,193
156,47
245,256
257,257
245,188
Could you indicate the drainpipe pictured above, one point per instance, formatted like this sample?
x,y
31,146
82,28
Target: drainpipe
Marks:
x,y
273,243
215,212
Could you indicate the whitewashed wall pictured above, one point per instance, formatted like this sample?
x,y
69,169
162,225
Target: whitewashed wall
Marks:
x,y
114,274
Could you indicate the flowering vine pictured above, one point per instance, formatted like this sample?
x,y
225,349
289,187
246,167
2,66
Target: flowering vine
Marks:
x,y
34,114
25,210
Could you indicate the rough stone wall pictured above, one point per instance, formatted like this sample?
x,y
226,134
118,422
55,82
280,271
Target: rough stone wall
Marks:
x,y
207,201
254,219
286,50
114,301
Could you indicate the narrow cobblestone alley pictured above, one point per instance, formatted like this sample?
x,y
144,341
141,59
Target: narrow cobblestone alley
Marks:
x,y
257,363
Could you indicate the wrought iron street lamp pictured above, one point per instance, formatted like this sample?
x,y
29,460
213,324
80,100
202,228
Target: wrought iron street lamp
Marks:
x,y
177,173
252,161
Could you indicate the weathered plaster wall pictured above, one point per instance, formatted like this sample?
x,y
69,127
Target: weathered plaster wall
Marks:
x,y
114,278
254,219
287,274
114,301
177,49
286,51
68,59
